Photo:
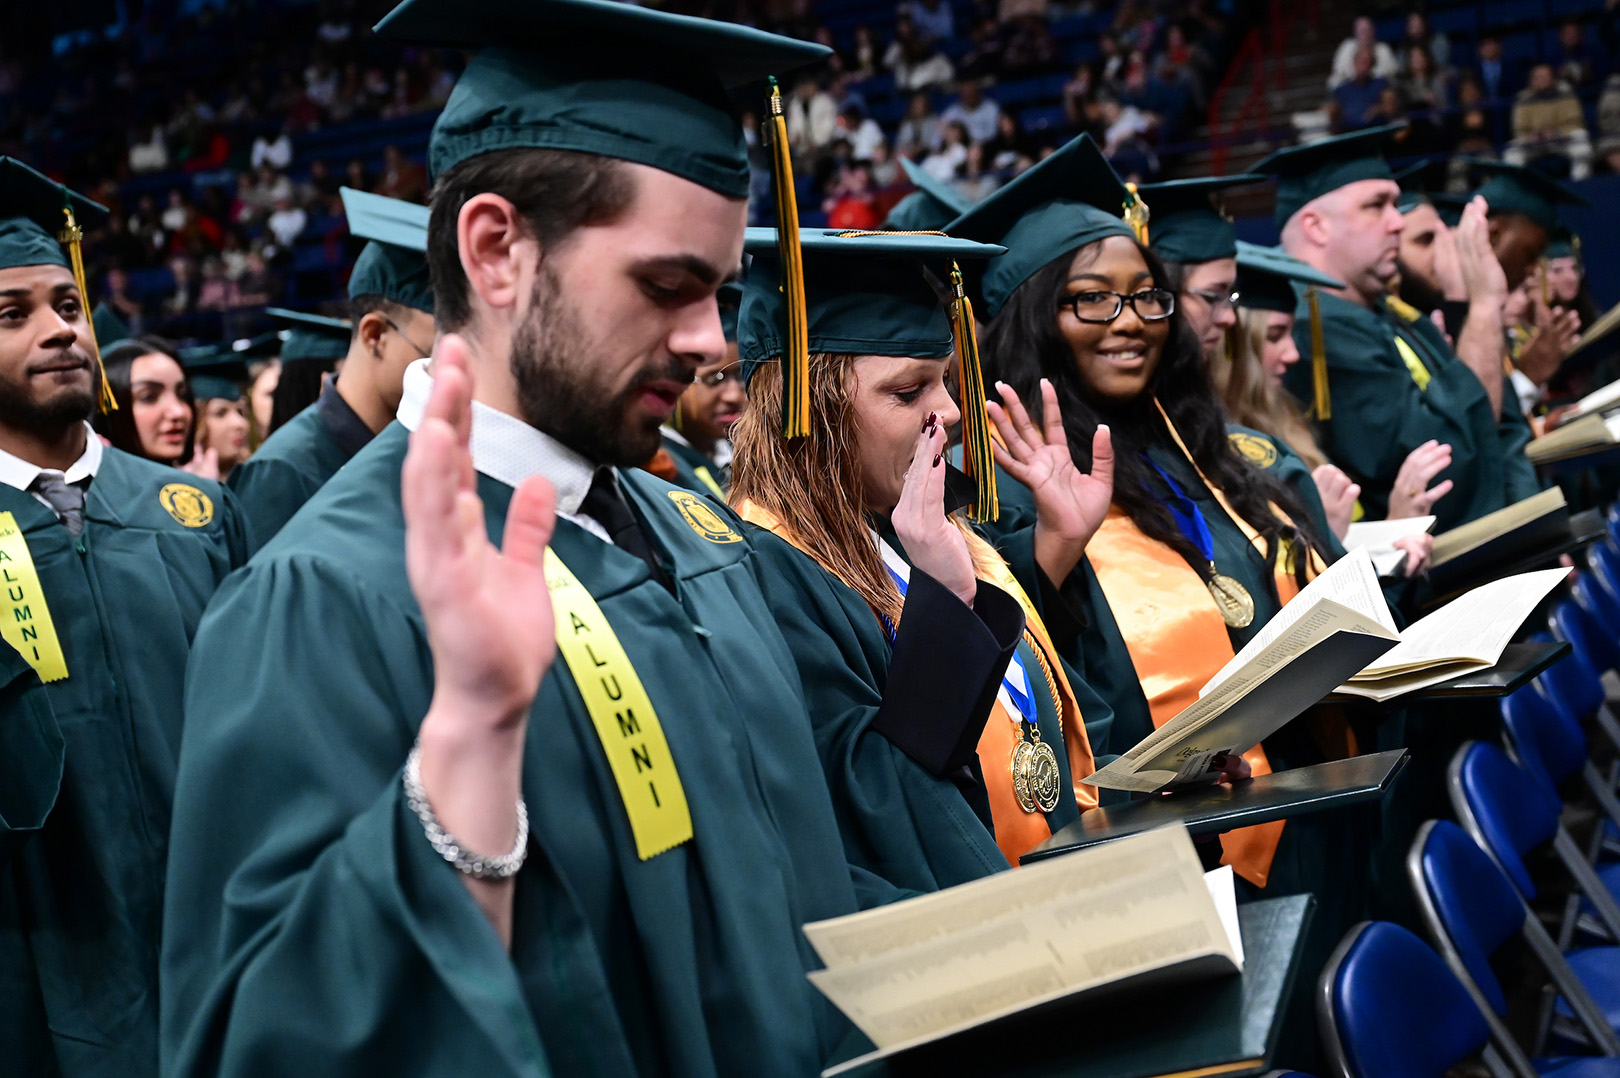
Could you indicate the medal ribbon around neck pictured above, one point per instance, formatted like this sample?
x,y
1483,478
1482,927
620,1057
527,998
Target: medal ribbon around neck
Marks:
x,y
1034,763
1231,598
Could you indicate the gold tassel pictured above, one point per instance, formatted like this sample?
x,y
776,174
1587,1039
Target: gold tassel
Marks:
x,y
1136,214
1319,371
796,345
978,458
1546,286
72,236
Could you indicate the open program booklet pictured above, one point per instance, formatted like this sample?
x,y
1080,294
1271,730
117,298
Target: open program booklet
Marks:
x,y
1128,912
1337,633
1593,433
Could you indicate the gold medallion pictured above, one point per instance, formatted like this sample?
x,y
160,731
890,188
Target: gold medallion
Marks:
x,y
1036,778
1232,600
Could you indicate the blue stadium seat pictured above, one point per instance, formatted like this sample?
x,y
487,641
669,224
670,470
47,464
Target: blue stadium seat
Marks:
x,y
1577,624
1473,914
1512,815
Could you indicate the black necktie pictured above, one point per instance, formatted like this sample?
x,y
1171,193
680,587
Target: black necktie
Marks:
x,y
67,499
606,505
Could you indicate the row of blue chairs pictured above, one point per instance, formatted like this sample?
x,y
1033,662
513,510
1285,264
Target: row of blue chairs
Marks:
x,y
1392,1007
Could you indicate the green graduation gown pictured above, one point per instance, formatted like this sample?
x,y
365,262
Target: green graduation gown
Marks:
x,y
313,930
295,462
1380,415
84,834
919,818
696,470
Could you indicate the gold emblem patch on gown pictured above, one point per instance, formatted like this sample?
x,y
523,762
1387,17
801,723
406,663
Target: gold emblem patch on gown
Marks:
x,y
186,504
1254,448
702,519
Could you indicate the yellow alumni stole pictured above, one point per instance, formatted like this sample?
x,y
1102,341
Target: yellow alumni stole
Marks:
x,y
622,713
26,623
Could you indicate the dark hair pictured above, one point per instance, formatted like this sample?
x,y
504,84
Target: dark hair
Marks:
x,y
360,306
119,424
1023,345
556,192
298,387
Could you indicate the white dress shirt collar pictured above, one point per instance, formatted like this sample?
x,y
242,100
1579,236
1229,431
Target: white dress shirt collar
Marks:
x,y
509,450
20,474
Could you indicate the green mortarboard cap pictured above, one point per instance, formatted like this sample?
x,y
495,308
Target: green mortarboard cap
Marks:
x,y
730,299
1266,277
1414,191
32,205
1185,226
1522,190
215,371
1057,206
865,294
1562,243
394,264
1309,171
263,346
312,336
110,329
596,76
929,208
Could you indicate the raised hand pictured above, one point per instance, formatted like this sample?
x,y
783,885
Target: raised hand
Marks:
x,y
204,463
1069,504
932,541
1411,496
1481,272
489,626
488,611
1555,334
1419,548
1339,496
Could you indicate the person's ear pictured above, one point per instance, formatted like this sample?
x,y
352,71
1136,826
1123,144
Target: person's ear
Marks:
x,y
493,244
1314,226
370,332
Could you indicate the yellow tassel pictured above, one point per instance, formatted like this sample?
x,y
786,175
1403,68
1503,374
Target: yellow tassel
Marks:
x,y
1546,286
72,236
1136,214
796,345
1319,371
978,458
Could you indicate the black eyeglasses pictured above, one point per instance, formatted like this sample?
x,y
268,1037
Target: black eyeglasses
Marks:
x,y
1216,300
1152,305
406,337
731,370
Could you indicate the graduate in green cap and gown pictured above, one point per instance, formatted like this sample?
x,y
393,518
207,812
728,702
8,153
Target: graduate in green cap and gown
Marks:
x,y
391,309
108,561
312,348
414,838
696,450
952,738
1382,380
217,375
929,208
1201,546
1198,245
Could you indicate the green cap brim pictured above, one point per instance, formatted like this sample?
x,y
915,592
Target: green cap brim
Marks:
x,y
1071,199
1525,191
32,204
929,208
1307,172
1184,225
1267,277
312,336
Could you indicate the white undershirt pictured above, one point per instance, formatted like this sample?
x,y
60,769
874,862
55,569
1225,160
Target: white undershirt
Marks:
x,y
19,474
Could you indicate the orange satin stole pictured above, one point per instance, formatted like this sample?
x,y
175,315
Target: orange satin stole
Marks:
x,y
1017,832
1177,640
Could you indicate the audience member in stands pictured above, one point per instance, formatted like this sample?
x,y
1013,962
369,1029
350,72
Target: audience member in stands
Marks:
x,y
1572,58
949,161
920,132
1420,85
1419,35
1468,128
1364,38
287,222
862,59
1548,122
1496,78
850,204
916,63
812,117
116,295
1608,120
976,113
864,135
1010,151
1359,100
152,155
1028,47
934,19
401,177
276,153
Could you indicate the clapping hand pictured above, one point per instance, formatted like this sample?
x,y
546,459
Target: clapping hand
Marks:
x,y
1069,504
1339,496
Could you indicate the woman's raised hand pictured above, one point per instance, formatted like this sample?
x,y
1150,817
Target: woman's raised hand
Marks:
x,y
933,542
1411,496
1069,504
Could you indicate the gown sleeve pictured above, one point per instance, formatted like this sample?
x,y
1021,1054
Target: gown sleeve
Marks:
x,y
889,732
31,752
269,491
309,927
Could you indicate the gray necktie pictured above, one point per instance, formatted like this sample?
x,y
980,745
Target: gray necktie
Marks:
x,y
64,497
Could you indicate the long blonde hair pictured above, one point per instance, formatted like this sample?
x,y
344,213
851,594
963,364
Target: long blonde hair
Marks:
x,y
1250,397
814,485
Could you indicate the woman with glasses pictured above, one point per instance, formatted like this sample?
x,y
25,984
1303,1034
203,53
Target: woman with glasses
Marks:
x,y
951,735
1197,244
1202,545
696,453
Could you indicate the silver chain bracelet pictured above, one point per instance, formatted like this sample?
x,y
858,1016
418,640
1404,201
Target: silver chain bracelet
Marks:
x,y
480,868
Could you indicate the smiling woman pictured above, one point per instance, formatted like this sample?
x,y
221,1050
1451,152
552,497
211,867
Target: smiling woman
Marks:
x,y
156,416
